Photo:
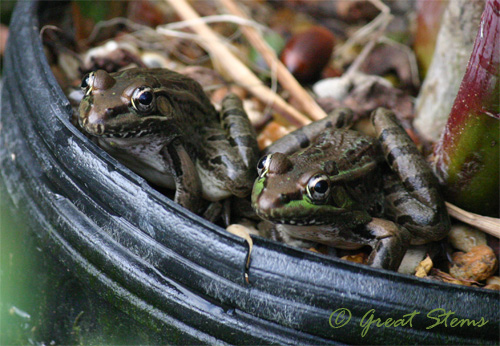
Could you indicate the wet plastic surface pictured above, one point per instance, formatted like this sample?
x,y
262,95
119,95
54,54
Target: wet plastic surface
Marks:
x,y
176,272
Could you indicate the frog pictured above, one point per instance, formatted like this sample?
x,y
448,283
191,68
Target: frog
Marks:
x,y
329,184
162,125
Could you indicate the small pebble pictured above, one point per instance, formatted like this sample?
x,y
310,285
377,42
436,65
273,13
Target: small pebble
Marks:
x,y
336,87
463,237
493,280
218,95
156,60
478,264
492,287
353,11
411,260
271,133
348,84
251,107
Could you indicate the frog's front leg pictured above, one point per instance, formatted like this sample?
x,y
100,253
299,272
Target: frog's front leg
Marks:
x,y
388,240
187,181
413,199
301,138
389,244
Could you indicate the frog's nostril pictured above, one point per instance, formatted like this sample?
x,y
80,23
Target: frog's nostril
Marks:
x,y
284,198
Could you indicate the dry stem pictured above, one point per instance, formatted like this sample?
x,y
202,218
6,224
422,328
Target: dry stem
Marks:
x,y
228,64
286,79
486,224
377,25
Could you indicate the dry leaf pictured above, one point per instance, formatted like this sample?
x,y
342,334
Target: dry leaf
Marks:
x,y
424,267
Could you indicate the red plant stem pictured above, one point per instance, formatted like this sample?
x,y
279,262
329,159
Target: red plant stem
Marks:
x,y
467,156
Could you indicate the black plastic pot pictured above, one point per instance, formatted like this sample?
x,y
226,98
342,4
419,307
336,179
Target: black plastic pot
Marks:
x,y
176,272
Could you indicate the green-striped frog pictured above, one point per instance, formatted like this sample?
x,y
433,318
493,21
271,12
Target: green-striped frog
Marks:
x,y
162,125
328,184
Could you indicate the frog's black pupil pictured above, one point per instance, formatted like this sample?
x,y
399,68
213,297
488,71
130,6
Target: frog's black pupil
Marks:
x,y
85,82
146,98
321,186
262,162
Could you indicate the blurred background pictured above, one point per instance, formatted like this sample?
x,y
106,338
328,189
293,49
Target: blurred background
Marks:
x,y
41,302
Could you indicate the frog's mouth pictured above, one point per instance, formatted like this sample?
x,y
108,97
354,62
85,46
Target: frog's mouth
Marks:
x,y
100,130
123,131
300,221
131,133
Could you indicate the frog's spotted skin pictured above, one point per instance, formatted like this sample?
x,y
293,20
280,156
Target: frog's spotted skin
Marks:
x,y
162,125
339,189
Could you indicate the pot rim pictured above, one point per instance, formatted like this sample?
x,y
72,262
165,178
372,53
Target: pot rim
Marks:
x,y
168,266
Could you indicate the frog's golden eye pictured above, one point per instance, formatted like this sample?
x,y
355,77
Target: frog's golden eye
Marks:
x,y
263,165
318,188
87,83
143,99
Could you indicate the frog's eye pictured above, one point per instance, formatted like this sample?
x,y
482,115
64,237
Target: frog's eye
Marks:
x,y
87,82
142,99
318,188
263,165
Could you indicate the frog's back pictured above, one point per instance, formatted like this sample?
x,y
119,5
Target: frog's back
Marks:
x,y
188,95
349,149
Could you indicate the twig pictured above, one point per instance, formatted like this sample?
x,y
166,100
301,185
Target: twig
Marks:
x,y
227,63
378,24
487,224
375,29
286,79
218,18
415,78
356,64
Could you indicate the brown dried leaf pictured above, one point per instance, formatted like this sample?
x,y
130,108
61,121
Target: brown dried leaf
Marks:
x,y
439,275
4,33
271,133
112,61
424,267
385,59
367,96
148,12
356,258
243,232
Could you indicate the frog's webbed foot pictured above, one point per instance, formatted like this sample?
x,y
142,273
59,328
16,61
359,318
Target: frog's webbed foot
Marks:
x,y
425,222
301,138
219,210
413,200
389,245
187,182
213,211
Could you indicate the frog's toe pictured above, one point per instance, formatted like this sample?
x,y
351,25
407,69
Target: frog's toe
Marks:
x,y
390,244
